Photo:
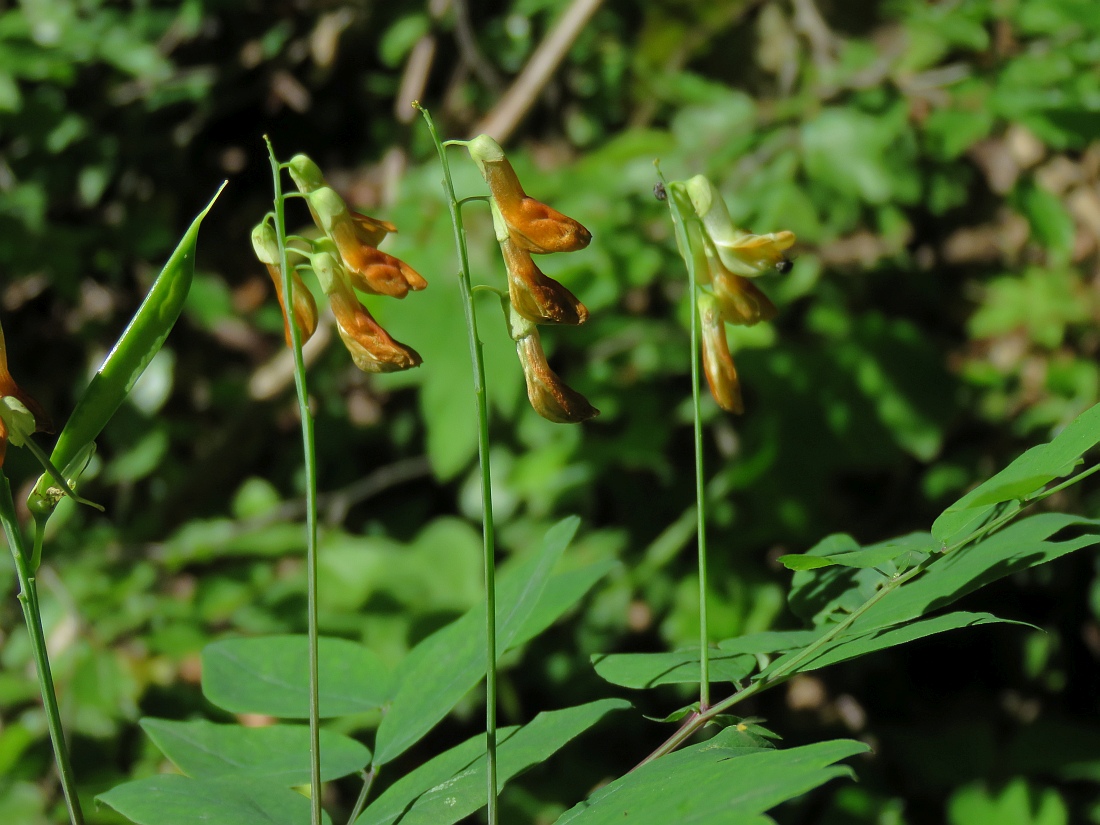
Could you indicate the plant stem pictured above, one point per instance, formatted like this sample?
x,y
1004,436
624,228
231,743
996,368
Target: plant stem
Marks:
x,y
28,601
478,360
310,457
361,802
700,485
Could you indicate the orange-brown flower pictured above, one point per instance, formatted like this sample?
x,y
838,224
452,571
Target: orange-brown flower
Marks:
x,y
741,252
11,412
548,394
534,295
533,225
266,246
371,347
717,361
739,299
356,237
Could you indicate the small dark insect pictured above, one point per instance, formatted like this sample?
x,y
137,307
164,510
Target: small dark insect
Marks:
x,y
784,266
659,191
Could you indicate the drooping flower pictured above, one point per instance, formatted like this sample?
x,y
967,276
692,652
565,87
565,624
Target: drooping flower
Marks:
x,y
266,246
371,347
534,295
20,414
551,397
743,253
356,237
717,361
739,299
533,225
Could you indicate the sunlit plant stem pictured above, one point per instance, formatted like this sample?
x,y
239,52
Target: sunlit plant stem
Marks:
x,y
28,601
310,457
478,360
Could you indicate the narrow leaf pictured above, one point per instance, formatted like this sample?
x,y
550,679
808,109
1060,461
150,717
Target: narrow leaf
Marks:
x,y
172,799
440,670
646,670
714,783
424,798
278,753
269,674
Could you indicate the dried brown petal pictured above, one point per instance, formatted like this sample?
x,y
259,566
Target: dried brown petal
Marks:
x,y
549,395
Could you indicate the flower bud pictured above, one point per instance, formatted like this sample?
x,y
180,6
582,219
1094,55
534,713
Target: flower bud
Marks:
x,y
533,225
355,236
741,252
717,361
549,395
371,347
266,245
305,173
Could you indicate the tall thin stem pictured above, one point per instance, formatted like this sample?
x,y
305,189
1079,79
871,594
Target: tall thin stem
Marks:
x,y
700,485
478,360
310,456
28,601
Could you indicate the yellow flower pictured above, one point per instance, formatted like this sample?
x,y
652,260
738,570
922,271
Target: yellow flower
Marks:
x,y
12,398
533,225
371,347
741,252
717,361
739,299
266,246
548,394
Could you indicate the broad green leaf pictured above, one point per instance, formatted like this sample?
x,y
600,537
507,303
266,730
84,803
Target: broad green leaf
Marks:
x,y
278,753
1015,804
874,556
1017,547
646,670
440,670
562,592
715,783
768,641
172,799
1026,475
452,785
856,645
269,674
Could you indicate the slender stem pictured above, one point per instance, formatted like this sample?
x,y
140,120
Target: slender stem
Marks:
x,y
310,456
486,481
700,485
364,795
28,601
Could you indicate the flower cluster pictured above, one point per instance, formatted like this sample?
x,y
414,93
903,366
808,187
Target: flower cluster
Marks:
x,y
725,259
525,226
344,260
20,415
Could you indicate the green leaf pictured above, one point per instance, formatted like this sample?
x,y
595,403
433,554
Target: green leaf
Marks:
x,y
646,670
562,592
452,785
269,675
1050,222
278,753
1022,545
722,781
874,556
768,641
851,646
1016,804
1027,475
440,670
177,800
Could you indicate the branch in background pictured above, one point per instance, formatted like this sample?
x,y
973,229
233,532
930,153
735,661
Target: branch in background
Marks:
x,y
518,100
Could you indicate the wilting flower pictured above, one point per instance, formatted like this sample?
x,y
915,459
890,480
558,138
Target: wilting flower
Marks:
x,y
356,237
533,225
371,347
739,299
717,361
534,295
548,394
16,407
266,246
741,252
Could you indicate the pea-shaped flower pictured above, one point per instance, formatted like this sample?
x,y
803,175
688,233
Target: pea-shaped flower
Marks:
x,y
717,361
533,225
371,347
741,252
550,397
20,414
266,246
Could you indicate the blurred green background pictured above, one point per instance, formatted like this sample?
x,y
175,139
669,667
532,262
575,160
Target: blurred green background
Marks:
x,y
940,164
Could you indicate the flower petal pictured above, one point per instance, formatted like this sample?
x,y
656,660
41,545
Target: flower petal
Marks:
x,y
548,394
534,295
717,361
